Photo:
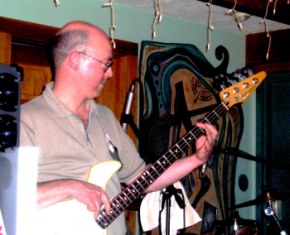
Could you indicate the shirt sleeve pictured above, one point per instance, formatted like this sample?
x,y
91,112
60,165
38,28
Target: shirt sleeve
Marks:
x,y
26,133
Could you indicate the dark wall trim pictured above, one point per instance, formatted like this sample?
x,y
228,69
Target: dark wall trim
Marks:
x,y
36,34
279,56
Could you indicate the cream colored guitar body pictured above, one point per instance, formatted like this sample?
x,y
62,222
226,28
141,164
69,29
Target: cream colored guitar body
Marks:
x,y
72,217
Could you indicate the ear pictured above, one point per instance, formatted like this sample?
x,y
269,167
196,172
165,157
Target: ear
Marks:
x,y
74,60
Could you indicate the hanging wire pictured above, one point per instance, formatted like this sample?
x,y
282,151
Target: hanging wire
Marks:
x,y
268,35
113,27
210,27
275,7
232,12
157,17
56,2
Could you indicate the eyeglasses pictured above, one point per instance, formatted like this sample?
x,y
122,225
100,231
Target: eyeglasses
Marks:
x,y
107,65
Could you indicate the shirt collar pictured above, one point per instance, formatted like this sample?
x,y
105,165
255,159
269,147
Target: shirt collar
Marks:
x,y
55,104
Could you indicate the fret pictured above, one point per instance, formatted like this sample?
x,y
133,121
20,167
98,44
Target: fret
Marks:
x,y
171,156
125,197
157,169
160,164
135,189
137,181
207,120
188,140
195,137
225,106
165,160
128,190
150,175
139,187
102,220
124,201
214,112
184,139
107,219
103,216
118,204
181,148
153,168
114,206
174,150
144,180
192,135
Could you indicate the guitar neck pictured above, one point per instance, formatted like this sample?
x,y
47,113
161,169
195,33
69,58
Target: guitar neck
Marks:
x,y
138,186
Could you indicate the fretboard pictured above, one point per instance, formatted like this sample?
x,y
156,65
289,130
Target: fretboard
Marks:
x,y
138,186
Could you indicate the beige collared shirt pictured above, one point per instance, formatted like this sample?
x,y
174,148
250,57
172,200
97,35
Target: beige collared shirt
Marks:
x,y
68,149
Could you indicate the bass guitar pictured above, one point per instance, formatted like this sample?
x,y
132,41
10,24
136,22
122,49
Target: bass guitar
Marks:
x,y
72,218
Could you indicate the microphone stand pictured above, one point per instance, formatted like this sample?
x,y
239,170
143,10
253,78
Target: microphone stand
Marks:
x,y
166,202
127,119
126,116
270,212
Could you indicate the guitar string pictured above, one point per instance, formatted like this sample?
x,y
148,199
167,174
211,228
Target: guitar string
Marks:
x,y
157,168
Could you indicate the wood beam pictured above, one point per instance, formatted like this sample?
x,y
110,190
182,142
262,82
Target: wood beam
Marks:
x,y
27,32
38,35
279,54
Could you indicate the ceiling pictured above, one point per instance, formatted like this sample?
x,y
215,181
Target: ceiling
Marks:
x,y
198,12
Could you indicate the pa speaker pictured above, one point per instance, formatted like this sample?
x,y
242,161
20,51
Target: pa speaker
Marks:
x,y
9,106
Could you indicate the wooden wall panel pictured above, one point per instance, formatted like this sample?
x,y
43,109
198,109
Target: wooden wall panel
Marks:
x,y
34,79
5,48
115,91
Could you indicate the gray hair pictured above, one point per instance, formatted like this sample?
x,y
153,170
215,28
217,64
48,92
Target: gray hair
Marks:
x,y
64,42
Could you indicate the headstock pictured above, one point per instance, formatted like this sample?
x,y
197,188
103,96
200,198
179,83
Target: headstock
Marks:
x,y
221,81
241,91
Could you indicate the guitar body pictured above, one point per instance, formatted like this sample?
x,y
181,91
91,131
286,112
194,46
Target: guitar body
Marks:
x,y
72,217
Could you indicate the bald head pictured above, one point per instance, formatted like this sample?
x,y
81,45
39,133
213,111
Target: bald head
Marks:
x,y
75,35
73,25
